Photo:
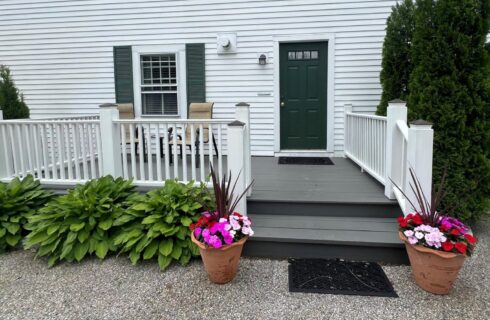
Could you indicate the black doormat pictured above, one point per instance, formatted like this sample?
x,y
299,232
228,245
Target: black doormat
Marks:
x,y
305,160
339,277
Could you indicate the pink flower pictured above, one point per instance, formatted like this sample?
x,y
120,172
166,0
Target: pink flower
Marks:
x,y
197,232
215,242
235,224
247,231
412,240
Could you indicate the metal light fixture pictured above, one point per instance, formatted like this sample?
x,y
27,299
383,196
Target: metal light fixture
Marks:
x,y
262,59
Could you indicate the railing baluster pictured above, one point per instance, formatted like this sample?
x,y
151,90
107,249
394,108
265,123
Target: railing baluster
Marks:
x,y
148,150
35,138
158,153
193,152
141,142
176,159
220,153
132,146
210,145
184,154
123,151
53,153
84,154
76,151
45,151
93,174
28,145
67,129
6,152
61,151
99,147
166,151
13,147
201,151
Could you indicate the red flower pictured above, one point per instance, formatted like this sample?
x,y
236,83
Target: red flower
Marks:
x,y
470,238
455,232
447,246
461,247
417,219
409,216
402,222
443,228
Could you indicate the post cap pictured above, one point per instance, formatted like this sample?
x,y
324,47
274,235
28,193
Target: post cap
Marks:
x,y
420,122
397,101
242,104
236,123
108,105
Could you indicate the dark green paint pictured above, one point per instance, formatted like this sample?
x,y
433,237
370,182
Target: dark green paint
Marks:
x,y
303,86
123,74
196,73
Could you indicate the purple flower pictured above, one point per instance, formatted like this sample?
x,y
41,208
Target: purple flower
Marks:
x,y
205,234
449,223
197,232
215,242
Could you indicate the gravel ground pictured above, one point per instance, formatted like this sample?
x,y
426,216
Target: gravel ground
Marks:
x,y
114,289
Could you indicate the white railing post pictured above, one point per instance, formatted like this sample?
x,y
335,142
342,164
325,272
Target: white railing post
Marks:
x,y
347,128
242,113
3,163
236,160
397,110
419,158
110,141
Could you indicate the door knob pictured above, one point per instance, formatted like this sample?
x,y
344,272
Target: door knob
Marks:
x,y
282,104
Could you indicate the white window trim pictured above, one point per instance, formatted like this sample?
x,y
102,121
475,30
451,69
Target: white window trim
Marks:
x,y
179,51
327,37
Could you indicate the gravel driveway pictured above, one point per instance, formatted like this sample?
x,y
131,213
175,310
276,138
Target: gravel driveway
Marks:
x,y
114,289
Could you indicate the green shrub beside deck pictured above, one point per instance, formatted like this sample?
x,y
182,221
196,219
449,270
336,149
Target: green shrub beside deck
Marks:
x,y
18,199
157,224
78,224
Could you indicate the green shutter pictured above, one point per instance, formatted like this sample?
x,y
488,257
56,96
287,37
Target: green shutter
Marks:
x,y
196,76
123,74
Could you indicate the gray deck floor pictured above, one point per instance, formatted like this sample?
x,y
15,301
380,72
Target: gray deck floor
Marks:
x,y
341,182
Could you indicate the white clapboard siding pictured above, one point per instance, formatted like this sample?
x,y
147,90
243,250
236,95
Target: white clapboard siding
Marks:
x,y
60,52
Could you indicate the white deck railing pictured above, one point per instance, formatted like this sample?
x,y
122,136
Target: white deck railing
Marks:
x,y
67,151
61,151
386,148
365,143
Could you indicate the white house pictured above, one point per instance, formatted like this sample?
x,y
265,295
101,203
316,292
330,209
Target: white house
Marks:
x,y
68,57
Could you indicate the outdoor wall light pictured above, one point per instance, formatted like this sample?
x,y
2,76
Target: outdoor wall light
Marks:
x,y
262,59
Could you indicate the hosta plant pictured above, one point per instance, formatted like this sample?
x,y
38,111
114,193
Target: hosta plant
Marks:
x,y
157,225
80,223
18,199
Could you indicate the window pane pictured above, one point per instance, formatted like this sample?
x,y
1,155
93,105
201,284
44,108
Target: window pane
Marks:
x,y
299,55
170,103
306,55
291,55
314,54
152,104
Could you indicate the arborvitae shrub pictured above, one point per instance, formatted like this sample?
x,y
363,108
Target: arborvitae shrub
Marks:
x,y
449,86
397,62
11,101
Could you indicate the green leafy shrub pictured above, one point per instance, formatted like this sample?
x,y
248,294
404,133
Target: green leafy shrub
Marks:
x,y
18,199
397,62
79,223
158,223
450,87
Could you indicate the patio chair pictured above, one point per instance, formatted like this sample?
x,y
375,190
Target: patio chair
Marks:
x,y
197,111
126,111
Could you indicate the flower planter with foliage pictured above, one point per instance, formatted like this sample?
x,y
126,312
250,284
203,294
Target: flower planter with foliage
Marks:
x,y
436,244
220,234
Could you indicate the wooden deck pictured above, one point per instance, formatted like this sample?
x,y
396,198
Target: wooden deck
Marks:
x,y
341,182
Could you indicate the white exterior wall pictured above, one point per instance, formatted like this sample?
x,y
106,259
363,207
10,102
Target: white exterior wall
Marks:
x,y
60,52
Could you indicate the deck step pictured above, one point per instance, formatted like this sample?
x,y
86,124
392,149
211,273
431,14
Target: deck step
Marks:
x,y
352,208
356,238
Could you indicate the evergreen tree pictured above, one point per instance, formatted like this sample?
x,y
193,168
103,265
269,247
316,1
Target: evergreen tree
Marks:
x,y
11,102
397,63
449,86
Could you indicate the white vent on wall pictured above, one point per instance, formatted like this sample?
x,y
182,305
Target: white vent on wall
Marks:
x,y
226,43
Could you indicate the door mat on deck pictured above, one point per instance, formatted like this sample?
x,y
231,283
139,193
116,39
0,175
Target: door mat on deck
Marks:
x,y
339,277
305,160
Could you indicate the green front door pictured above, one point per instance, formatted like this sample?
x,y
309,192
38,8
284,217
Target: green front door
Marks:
x,y
303,97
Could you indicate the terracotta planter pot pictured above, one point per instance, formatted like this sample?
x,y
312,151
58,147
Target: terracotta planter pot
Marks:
x,y
221,264
434,271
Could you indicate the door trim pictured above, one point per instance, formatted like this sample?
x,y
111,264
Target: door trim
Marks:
x,y
325,37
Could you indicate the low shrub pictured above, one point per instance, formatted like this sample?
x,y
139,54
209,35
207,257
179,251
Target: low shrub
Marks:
x,y
158,223
18,199
78,224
